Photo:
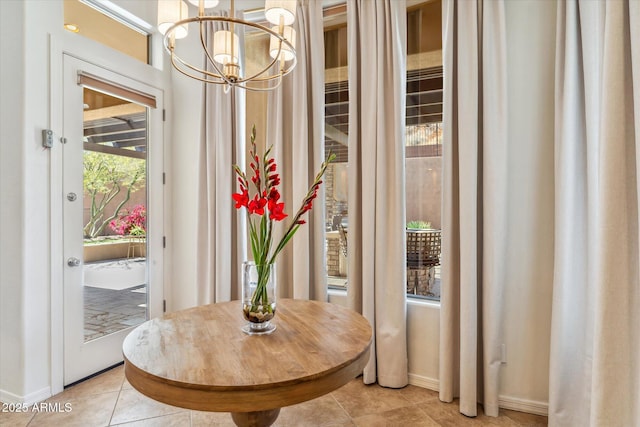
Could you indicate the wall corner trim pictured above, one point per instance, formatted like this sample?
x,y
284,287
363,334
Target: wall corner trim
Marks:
x,y
29,399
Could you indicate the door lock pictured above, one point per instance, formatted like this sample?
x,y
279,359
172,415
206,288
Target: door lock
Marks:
x,y
73,262
72,197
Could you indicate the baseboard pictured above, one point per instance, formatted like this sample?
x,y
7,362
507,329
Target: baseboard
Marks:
x,y
506,402
36,396
524,405
424,382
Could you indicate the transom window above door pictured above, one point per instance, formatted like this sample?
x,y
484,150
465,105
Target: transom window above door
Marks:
x,y
89,22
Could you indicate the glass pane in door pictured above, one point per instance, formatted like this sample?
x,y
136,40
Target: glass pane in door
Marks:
x,y
114,214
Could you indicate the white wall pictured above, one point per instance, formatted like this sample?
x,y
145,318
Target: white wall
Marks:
x,y
185,116
25,200
12,216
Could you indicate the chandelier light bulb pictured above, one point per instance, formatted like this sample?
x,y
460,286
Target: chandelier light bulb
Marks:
x,y
222,52
276,9
170,12
207,3
285,51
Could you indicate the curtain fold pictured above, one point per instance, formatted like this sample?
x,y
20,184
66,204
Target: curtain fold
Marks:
x,y
376,33
595,341
295,118
474,202
221,240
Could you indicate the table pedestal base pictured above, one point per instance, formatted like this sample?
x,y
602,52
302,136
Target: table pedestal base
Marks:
x,y
255,419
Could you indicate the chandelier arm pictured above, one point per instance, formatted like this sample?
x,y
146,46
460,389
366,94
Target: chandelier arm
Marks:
x,y
222,77
209,57
273,62
175,58
263,89
265,69
276,76
258,89
280,74
240,82
176,61
242,85
204,80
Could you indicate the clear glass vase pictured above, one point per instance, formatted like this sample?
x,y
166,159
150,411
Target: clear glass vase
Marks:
x,y
258,297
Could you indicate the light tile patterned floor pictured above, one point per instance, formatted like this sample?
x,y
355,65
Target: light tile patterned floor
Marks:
x,y
109,400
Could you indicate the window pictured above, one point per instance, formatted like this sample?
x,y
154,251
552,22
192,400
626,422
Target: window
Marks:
x,y
336,135
91,23
423,150
423,163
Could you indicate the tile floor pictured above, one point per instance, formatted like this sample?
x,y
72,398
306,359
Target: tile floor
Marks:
x,y
109,400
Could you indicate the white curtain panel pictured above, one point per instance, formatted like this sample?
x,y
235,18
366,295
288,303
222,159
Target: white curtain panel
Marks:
x,y
595,341
221,239
474,204
376,33
295,128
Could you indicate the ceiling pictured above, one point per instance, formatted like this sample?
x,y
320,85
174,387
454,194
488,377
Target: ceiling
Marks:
x,y
114,125
122,135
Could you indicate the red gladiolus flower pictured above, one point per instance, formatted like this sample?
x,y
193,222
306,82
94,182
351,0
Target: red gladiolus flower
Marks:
x,y
258,191
274,180
256,206
242,199
276,211
274,194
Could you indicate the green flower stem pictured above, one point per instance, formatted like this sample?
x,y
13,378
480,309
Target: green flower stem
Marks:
x,y
261,235
293,227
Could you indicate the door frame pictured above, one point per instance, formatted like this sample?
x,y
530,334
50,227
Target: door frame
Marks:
x,y
118,64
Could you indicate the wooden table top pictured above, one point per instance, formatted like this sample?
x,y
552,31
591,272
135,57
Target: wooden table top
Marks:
x,y
200,359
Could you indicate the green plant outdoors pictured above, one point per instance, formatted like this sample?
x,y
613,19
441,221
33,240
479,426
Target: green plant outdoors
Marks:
x,y
106,176
419,225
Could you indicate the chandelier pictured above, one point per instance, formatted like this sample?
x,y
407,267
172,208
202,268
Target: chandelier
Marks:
x,y
223,56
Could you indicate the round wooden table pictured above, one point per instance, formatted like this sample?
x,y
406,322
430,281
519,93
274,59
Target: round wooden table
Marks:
x,y
200,359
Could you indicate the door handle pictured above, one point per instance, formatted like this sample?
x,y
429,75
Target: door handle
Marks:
x,y
73,262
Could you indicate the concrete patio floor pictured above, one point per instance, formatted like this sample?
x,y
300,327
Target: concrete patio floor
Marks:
x,y
108,310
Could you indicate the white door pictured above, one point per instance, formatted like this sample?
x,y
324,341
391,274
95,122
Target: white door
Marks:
x,y
112,213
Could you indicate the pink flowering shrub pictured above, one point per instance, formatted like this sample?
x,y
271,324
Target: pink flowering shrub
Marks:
x,y
132,222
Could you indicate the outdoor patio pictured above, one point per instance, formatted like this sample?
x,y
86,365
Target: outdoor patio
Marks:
x,y
115,296
340,282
